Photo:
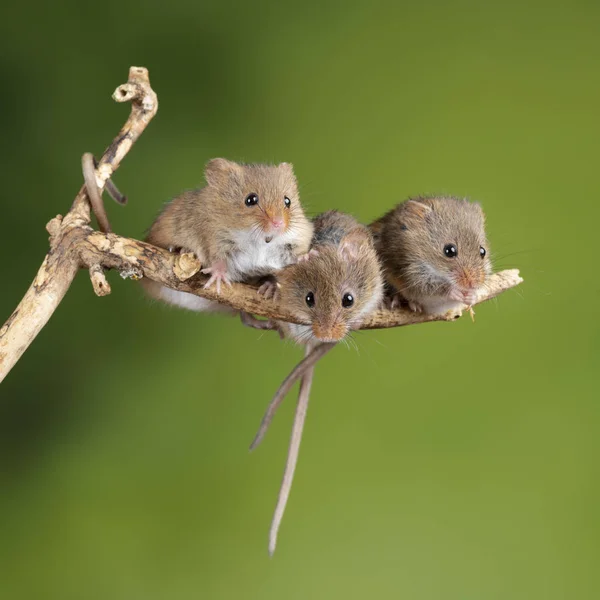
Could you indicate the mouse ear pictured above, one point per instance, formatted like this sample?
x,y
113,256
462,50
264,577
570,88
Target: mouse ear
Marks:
x,y
287,167
477,207
351,244
219,170
414,208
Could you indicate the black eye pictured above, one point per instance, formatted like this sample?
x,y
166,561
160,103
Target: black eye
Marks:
x,y
347,300
251,199
450,250
287,201
482,251
310,299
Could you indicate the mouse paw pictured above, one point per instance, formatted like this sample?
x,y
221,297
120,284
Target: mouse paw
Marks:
x,y
415,306
464,297
269,289
218,274
307,255
392,301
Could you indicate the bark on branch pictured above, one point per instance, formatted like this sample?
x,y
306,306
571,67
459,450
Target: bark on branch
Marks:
x,y
64,260
75,245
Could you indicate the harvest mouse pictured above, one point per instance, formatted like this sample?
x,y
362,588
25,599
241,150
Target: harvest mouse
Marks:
x,y
337,286
434,252
246,222
335,289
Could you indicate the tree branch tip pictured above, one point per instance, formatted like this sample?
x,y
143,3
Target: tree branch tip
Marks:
x,y
125,92
137,88
99,282
139,73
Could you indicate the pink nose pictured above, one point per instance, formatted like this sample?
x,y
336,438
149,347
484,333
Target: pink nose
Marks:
x,y
277,222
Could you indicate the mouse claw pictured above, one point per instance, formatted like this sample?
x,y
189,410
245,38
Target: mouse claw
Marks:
x,y
394,301
415,306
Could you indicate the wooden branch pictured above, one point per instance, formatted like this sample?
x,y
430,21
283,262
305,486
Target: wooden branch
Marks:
x,y
135,259
64,259
181,272
75,245
84,247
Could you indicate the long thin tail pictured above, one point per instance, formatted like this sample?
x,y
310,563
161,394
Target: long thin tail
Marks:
x,y
292,457
310,359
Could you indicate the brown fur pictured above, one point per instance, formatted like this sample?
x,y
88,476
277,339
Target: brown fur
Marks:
x,y
202,220
215,224
410,240
346,262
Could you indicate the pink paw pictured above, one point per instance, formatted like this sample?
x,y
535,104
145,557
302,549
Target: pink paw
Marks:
x,y
307,256
469,298
218,274
269,290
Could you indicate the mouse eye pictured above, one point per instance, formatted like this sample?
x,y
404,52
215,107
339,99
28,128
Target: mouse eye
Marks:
x,y
450,250
251,199
310,299
482,251
347,300
287,201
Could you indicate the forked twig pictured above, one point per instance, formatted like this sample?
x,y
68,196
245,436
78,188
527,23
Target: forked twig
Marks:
x,y
70,235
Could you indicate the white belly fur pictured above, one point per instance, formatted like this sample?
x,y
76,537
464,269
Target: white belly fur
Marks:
x,y
192,302
439,305
254,257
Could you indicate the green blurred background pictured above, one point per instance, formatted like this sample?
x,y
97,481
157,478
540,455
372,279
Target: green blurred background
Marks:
x,y
447,461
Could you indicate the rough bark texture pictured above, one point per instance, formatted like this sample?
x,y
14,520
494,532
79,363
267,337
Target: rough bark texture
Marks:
x,y
64,259
75,245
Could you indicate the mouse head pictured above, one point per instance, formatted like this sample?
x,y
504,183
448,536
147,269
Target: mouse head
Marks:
x,y
334,290
261,198
444,246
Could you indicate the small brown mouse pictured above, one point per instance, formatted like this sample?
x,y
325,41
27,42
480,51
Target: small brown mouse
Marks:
x,y
434,252
246,222
335,288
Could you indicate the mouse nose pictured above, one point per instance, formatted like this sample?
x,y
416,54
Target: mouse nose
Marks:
x,y
277,222
329,333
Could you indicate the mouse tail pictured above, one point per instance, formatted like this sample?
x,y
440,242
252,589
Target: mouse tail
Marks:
x,y
292,457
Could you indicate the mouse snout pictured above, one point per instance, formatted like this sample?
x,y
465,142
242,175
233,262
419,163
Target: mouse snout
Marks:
x,y
329,332
467,283
470,279
274,221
